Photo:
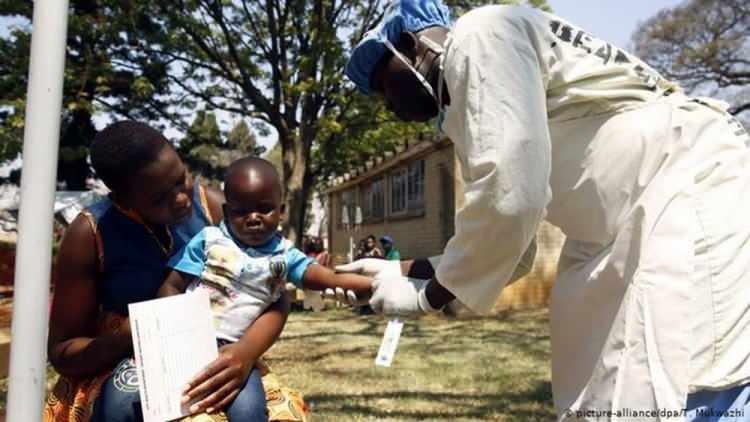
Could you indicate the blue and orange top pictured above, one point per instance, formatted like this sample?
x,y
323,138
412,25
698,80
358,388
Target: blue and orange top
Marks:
x,y
132,260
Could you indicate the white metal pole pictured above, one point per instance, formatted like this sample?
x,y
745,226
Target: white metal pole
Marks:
x,y
28,353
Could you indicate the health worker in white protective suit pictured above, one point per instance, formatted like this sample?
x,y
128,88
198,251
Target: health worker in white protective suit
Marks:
x,y
650,313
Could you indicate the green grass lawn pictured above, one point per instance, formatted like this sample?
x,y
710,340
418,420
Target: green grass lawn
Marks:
x,y
467,369
476,368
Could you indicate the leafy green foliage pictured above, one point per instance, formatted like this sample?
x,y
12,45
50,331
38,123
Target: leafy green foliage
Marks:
x,y
242,138
105,73
704,45
365,128
277,64
208,154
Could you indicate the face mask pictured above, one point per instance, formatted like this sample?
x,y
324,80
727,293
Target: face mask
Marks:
x,y
437,121
418,75
435,48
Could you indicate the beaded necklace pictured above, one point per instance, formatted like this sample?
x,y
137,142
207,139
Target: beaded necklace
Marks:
x,y
167,250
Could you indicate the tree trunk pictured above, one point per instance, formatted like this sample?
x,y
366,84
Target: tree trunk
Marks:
x,y
298,184
78,131
295,192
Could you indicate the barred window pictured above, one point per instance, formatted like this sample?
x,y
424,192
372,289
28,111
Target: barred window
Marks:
x,y
346,209
398,191
373,200
407,189
415,186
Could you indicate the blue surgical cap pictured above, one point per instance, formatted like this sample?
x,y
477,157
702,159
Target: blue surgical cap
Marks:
x,y
400,16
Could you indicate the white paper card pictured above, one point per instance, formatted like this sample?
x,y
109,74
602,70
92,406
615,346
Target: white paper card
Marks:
x,y
173,339
390,343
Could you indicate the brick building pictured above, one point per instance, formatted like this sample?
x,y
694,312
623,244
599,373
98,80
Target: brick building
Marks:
x,y
411,195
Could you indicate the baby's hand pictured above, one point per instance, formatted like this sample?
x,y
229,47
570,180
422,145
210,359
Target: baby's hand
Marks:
x,y
359,289
216,386
278,270
348,297
275,284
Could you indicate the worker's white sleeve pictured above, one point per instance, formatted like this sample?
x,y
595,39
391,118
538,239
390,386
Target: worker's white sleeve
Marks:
x,y
522,269
498,122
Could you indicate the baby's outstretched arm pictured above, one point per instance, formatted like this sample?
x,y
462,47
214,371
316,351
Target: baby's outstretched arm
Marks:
x,y
318,277
175,284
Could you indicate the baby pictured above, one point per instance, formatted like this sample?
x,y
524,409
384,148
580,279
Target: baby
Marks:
x,y
244,262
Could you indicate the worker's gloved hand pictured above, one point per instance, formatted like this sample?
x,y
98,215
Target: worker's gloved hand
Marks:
x,y
399,295
372,267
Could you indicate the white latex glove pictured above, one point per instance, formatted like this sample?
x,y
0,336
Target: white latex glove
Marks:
x,y
400,295
372,267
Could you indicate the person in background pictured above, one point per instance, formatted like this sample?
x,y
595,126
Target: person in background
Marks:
x,y
307,246
371,248
361,249
391,253
321,254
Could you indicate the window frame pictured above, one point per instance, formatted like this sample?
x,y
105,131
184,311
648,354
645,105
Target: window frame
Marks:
x,y
398,180
407,190
350,204
415,185
372,198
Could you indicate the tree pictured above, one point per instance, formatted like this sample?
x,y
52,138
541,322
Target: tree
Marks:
x,y
208,154
198,147
276,62
274,156
77,133
241,138
367,129
279,63
103,74
703,44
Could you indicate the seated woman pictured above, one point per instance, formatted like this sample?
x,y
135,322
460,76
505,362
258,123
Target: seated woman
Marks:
x,y
115,253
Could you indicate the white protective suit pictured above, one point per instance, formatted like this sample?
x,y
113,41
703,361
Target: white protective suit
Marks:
x,y
652,299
